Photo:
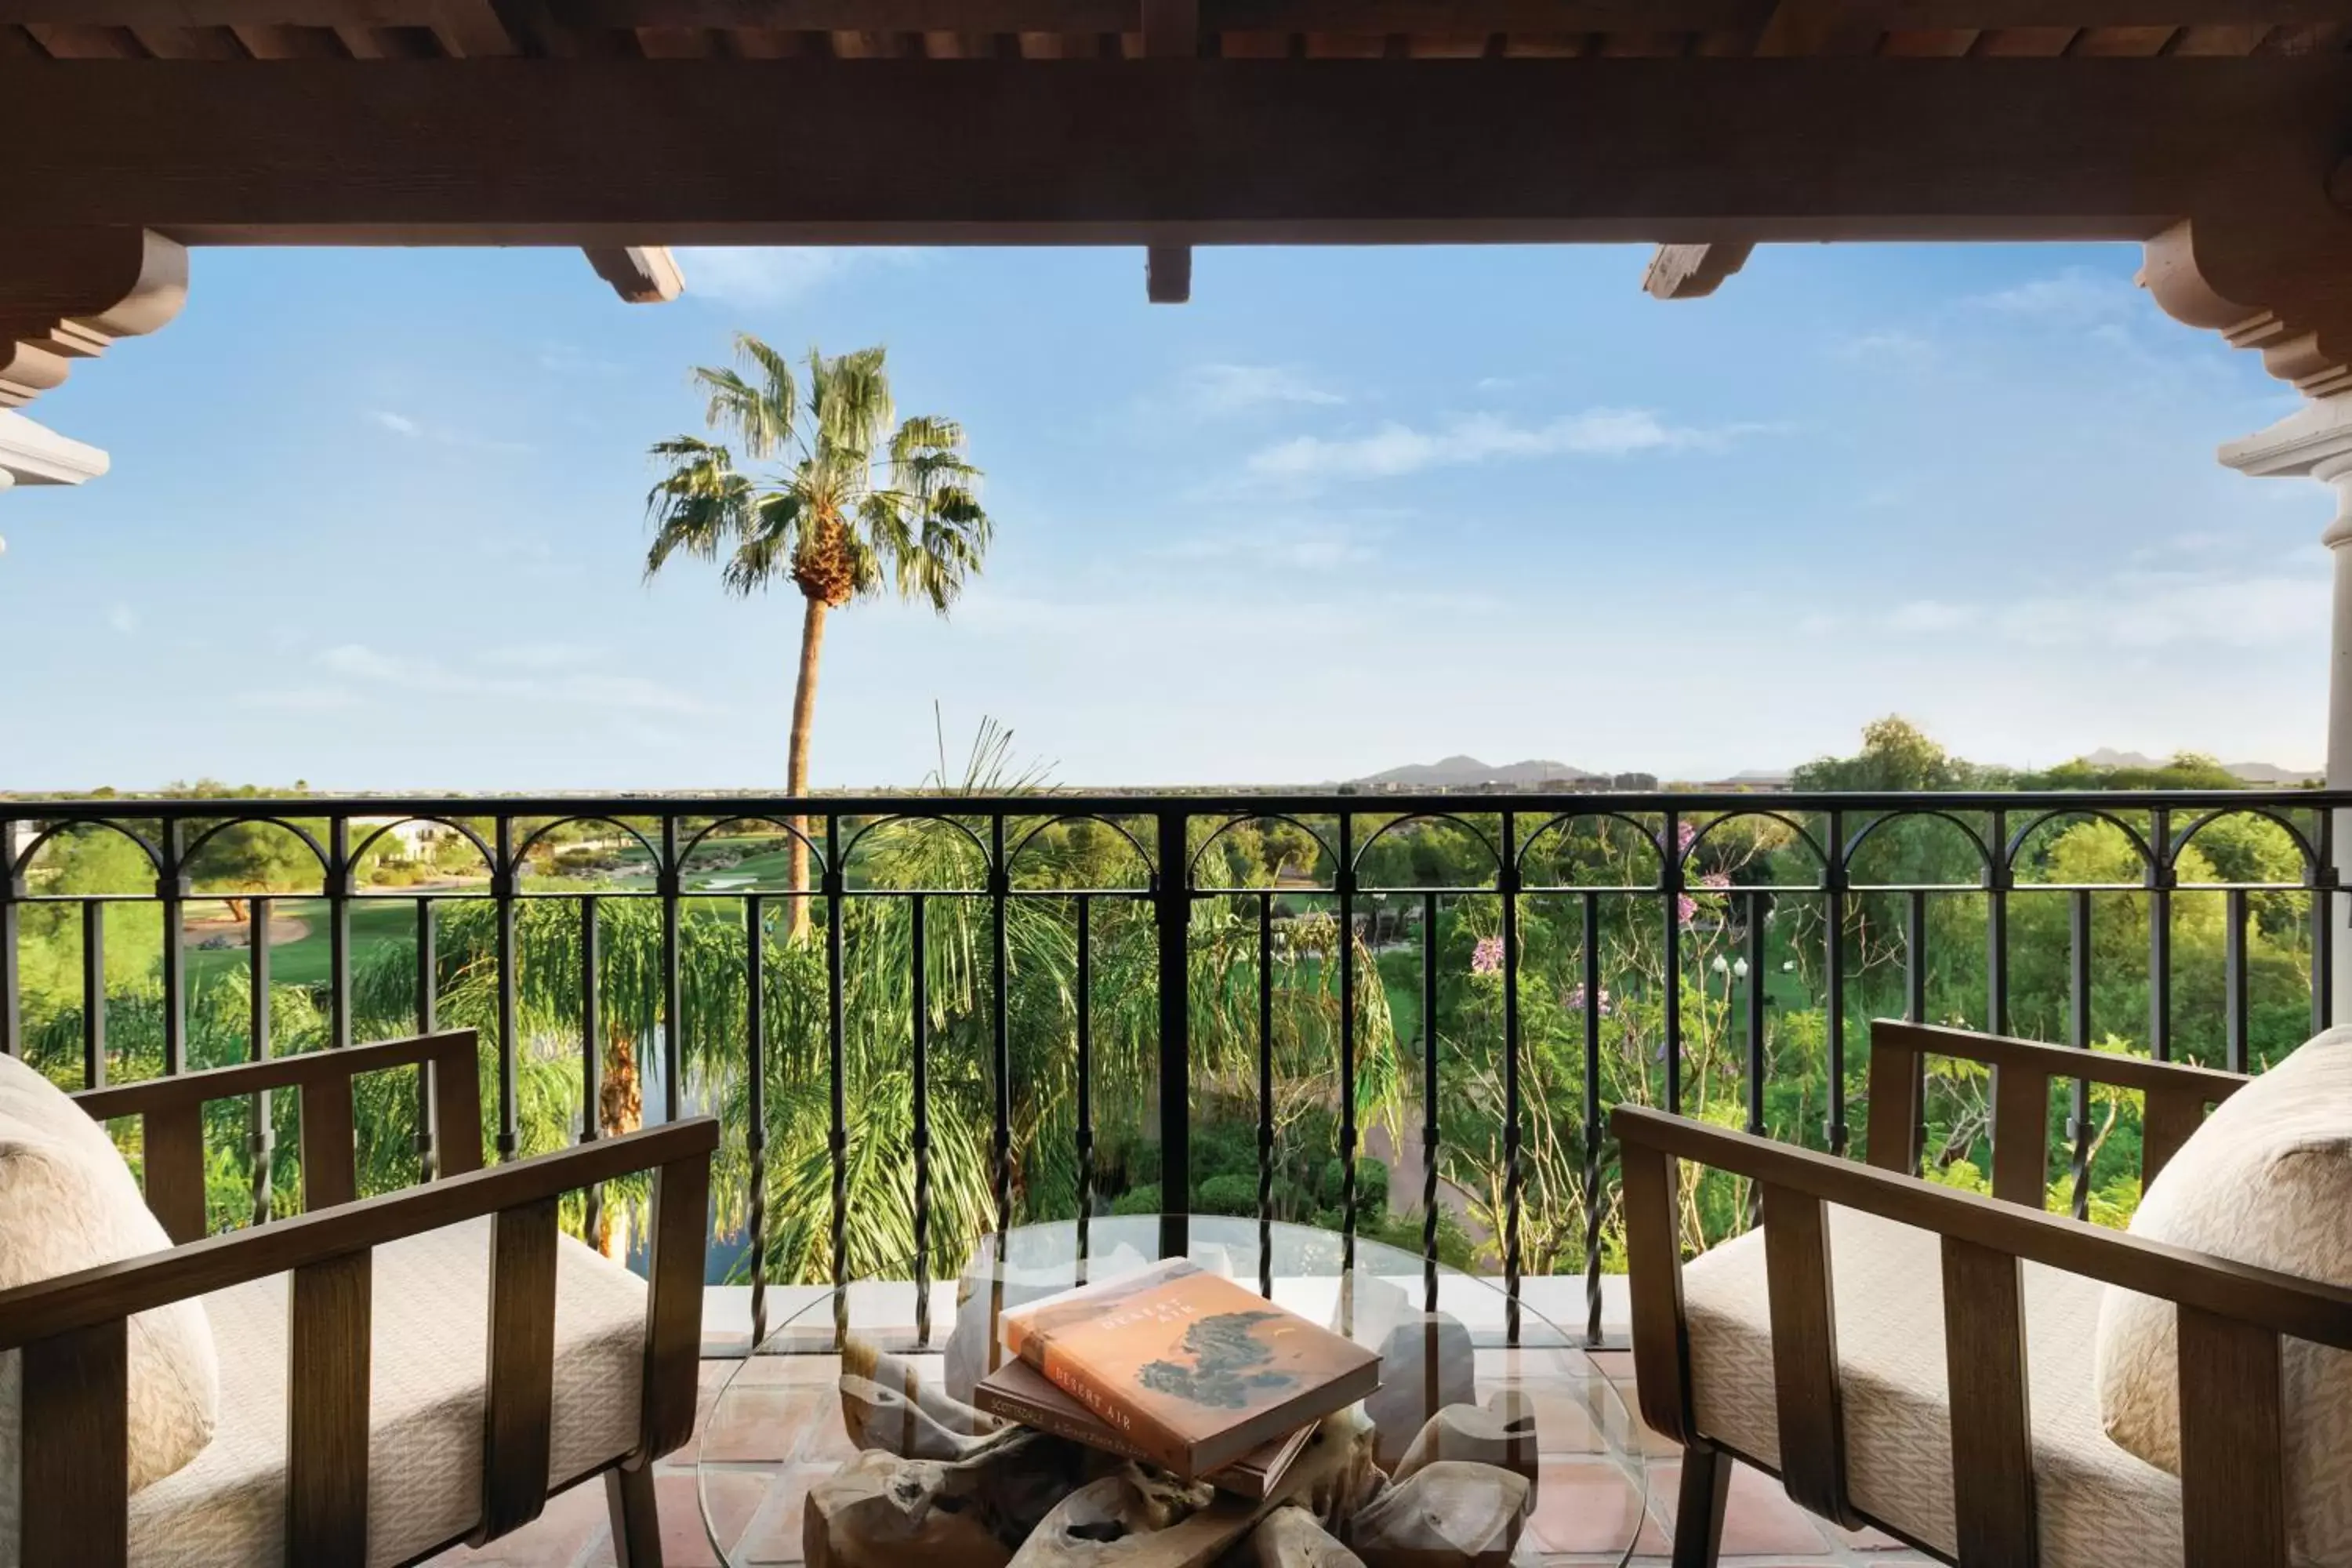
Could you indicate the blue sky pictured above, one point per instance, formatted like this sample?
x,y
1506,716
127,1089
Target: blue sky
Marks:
x,y
376,521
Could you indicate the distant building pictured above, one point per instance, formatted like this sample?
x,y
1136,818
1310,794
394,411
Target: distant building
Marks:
x,y
406,838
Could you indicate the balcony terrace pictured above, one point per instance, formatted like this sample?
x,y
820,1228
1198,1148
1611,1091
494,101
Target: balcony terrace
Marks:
x,y
1408,1017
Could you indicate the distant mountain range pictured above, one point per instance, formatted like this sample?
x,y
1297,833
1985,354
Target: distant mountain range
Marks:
x,y
1461,772
2251,772
1467,773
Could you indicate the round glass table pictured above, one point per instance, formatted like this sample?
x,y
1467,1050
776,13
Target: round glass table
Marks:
x,y
777,1425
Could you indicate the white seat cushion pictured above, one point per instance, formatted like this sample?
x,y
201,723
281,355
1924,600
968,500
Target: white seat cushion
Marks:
x,y
430,1344
2100,1507
67,1203
2267,1180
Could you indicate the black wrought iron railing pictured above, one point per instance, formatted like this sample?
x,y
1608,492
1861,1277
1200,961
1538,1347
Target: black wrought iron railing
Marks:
x,y
977,1009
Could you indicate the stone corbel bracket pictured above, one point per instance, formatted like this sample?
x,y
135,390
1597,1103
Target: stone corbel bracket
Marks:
x,y
67,294
2284,290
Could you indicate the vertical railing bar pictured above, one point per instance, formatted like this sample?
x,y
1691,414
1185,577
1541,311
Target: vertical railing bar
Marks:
x,y
1835,874
93,993
1264,1066
755,1135
1594,1198
1997,877
12,1016
1172,888
2078,1030
2233,938
428,1008
1756,903
922,1135
1507,879
1429,1093
1347,890
1670,881
2161,875
339,877
1914,956
592,1051
2322,924
837,1134
504,883
171,889
1084,1006
671,884
999,1022
262,1146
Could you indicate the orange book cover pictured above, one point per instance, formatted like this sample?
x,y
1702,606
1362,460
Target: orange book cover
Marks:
x,y
1192,1369
1020,1393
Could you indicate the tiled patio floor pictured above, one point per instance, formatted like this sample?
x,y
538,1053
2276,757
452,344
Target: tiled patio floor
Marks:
x,y
789,1434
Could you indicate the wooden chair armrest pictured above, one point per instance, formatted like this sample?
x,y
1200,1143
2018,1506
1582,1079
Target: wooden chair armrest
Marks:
x,y
2231,1316
2178,1094
72,1331
171,1114
2266,1298
93,1296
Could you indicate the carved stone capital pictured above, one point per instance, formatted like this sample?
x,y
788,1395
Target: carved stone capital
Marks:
x,y
2314,442
68,294
2283,288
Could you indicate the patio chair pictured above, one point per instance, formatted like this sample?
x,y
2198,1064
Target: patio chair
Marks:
x,y
1948,1367
395,1376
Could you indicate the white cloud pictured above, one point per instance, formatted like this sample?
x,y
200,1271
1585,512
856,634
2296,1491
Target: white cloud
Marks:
x,y
298,699
582,687
410,429
1220,389
2140,609
122,618
2076,294
1889,346
1394,449
778,275
1930,615
1308,547
541,655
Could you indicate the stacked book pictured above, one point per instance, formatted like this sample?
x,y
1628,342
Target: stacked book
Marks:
x,y
1180,1367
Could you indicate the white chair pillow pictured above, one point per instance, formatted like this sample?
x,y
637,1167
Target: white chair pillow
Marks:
x,y
2267,1180
67,1202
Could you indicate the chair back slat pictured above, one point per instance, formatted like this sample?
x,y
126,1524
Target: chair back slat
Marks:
x,y
458,1107
1654,1280
327,1411
520,1416
674,1305
1992,1446
174,1160
1804,1351
330,1152
2170,1116
2232,1444
2020,1136
77,1450
1898,1080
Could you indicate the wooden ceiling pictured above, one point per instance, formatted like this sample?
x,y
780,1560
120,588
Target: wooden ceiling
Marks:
x,y
2216,131
1115,29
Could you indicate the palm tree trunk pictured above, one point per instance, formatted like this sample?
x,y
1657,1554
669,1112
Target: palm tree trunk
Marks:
x,y
796,766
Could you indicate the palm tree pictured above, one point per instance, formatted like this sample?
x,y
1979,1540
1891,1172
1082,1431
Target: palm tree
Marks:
x,y
846,508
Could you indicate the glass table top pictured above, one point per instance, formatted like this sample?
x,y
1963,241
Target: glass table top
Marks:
x,y
776,1427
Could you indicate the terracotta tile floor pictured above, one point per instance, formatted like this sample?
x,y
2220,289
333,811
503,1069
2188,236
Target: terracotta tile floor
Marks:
x,y
787,1433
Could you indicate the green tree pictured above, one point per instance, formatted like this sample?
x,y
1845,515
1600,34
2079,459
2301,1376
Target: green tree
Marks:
x,y
840,504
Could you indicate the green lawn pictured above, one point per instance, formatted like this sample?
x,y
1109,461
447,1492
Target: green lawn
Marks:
x,y
305,962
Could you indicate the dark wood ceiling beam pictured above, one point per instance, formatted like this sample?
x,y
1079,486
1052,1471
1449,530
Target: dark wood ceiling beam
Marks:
x,y
1097,16
1693,271
1172,31
609,152
639,274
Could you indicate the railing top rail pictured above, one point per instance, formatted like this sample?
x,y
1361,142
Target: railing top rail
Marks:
x,y
1148,803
